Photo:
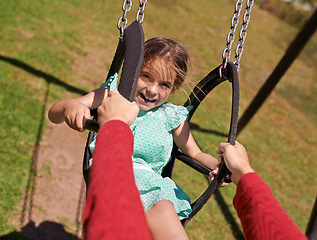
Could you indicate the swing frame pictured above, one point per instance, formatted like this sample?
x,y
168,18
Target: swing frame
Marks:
x,y
127,86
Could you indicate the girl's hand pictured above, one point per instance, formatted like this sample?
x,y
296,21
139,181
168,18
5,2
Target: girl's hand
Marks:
x,y
214,172
76,111
75,114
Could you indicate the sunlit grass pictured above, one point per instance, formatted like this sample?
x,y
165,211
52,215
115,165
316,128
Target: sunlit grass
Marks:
x,y
60,38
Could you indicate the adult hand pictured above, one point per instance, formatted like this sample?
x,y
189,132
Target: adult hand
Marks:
x,y
116,107
236,160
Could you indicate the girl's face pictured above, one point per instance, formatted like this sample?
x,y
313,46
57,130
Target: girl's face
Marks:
x,y
155,84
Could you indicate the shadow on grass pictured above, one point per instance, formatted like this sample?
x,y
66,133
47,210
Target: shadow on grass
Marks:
x,y
196,127
45,231
235,228
38,73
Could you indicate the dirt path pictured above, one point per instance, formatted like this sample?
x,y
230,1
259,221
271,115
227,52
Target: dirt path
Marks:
x,y
54,209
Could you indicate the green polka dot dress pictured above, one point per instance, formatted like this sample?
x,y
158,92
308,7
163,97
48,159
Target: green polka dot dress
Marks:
x,y
153,143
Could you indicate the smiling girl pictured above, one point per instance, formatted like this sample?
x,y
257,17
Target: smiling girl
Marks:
x,y
158,124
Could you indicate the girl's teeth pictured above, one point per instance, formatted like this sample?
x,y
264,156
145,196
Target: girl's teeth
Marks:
x,y
147,99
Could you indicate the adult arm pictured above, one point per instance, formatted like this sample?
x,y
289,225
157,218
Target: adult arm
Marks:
x,y
113,209
262,217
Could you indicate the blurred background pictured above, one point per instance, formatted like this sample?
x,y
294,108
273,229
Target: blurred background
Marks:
x,y
53,50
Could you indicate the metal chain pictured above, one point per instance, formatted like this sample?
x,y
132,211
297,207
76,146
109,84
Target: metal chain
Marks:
x,y
123,21
243,33
140,12
230,37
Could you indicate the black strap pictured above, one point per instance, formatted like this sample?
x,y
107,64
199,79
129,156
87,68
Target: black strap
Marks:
x,y
132,48
134,54
231,74
117,59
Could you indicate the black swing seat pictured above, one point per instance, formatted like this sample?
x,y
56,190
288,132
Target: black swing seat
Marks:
x,y
131,48
202,89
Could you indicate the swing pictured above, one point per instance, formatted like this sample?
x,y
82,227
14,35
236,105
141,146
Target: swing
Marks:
x,y
130,51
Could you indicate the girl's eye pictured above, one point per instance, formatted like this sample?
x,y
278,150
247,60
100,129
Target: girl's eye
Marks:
x,y
166,85
145,75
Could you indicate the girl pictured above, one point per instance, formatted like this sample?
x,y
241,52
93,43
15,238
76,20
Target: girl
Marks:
x,y
157,125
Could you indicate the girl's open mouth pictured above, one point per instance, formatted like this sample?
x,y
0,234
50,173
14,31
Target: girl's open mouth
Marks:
x,y
146,99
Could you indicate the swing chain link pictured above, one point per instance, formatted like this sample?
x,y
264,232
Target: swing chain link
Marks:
x,y
230,37
123,21
243,33
141,11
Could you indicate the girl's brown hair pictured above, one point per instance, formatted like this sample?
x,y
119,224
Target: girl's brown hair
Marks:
x,y
173,53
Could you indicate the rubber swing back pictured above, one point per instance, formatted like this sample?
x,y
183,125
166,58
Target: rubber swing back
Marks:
x,y
132,48
232,76
133,59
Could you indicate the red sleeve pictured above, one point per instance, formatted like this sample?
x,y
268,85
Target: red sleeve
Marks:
x,y
113,208
261,215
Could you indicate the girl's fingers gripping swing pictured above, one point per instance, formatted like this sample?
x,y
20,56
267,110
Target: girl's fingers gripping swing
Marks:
x,y
75,114
214,172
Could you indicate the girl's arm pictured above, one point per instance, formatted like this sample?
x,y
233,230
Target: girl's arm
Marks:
x,y
75,111
187,144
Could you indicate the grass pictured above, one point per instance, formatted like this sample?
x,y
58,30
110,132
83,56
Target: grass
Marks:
x,y
46,47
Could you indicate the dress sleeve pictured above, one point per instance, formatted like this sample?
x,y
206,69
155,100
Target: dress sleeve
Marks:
x,y
111,82
176,115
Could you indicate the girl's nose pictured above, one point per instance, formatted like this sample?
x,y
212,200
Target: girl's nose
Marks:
x,y
152,89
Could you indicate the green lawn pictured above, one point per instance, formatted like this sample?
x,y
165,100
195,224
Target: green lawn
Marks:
x,y
49,48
